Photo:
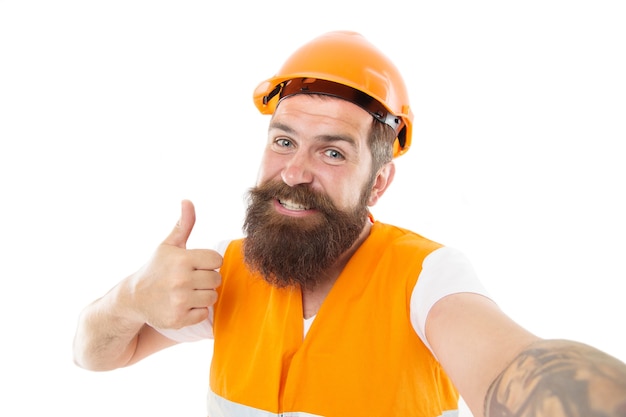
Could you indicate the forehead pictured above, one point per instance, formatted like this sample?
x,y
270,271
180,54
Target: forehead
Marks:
x,y
323,111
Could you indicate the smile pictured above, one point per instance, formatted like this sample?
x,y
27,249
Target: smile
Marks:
x,y
290,205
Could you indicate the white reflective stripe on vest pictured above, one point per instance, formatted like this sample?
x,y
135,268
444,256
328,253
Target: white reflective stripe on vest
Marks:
x,y
221,407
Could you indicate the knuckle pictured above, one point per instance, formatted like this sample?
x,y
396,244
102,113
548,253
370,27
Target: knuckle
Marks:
x,y
180,259
216,279
178,302
211,297
218,259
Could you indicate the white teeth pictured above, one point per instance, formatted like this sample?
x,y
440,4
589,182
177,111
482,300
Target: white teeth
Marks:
x,y
288,204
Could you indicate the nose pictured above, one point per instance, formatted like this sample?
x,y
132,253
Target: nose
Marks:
x,y
297,170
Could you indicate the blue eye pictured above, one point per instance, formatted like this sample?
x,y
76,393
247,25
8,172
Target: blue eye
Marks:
x,y
334,154
283,142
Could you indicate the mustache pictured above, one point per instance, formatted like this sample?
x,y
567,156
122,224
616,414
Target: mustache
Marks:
x,y
300,194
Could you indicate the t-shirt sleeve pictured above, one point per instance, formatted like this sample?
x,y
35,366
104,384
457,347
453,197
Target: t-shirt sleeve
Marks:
x,y
199,331
193,333
445,271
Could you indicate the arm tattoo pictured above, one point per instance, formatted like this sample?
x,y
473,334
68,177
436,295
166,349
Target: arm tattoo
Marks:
x,y
559,378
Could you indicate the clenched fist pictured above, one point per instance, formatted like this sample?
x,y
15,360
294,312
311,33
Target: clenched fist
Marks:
x,y
178,285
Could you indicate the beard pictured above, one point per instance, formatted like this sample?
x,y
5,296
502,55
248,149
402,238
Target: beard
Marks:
x,y
298,251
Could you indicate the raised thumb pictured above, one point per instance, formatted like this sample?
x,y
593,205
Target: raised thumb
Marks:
x,y
179,235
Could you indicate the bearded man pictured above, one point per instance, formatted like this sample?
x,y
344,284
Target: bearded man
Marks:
x,y
321,310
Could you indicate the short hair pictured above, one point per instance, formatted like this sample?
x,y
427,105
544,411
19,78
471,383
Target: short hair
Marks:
x,y
380,141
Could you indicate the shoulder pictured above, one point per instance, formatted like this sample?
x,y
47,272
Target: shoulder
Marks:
x,y
445,271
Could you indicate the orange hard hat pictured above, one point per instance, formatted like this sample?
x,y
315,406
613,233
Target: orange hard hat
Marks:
x,y
344,64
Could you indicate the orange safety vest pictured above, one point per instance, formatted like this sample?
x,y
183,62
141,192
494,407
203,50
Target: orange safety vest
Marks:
x,y
361,356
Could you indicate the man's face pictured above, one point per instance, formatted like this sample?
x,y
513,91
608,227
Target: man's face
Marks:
x,y
310,203
320,142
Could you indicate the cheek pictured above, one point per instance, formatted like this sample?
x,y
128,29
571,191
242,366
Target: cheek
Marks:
x,y
345,188
346,195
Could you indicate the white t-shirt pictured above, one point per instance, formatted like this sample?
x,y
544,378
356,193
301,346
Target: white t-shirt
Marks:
x,y
445,271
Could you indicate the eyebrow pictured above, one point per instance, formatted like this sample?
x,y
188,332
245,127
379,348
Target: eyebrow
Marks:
x,y
276,125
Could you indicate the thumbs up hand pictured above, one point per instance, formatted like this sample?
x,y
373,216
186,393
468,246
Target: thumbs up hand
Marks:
x,y
178,285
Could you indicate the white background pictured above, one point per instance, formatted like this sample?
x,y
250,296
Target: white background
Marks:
x,y
111,112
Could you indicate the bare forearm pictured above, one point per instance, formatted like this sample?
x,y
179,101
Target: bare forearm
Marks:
x,y
559,378
105,338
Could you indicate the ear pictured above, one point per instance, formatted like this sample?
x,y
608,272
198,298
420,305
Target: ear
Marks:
x,y
381,182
